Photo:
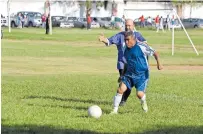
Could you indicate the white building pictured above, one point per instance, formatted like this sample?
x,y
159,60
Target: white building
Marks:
x,y
78,10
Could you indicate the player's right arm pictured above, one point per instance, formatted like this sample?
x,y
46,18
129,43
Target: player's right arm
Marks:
x,y
112,40
103,39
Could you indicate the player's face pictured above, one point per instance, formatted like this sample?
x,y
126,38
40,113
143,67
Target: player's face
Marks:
x,y
129,26
129,40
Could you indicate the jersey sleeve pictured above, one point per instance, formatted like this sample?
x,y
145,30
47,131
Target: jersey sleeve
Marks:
x,y
116,39
147,50
140,37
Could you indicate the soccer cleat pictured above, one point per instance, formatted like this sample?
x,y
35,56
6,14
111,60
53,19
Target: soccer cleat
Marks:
x,y
122,103
144,106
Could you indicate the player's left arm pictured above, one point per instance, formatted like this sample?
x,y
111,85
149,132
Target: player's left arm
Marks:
x,y
156,56
149,51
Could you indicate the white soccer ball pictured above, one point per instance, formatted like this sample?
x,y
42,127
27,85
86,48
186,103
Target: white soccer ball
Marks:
x,y
94,111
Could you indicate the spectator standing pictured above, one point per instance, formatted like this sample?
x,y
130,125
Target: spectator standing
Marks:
x,y
123,23
89,20
173,21
22,20
161,23
149,21
47,23
43,20
19,20
168,22
157,23
142,21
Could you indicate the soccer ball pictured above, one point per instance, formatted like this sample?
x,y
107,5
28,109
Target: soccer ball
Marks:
x,y
94,111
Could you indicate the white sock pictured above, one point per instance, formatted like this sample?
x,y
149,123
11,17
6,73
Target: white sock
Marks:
x,y
116,101
143,98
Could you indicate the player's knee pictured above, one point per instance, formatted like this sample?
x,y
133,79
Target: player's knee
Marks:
x,y
140,94
119,91
122,88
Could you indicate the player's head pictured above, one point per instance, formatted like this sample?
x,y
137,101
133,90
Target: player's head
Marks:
x,y
129,25
130,38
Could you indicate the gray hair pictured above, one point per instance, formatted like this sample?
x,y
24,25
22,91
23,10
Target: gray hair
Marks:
x,y
129,33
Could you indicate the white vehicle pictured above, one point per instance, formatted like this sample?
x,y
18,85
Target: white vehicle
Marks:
x,y
66,25
95,24
4,22
82,23
67,22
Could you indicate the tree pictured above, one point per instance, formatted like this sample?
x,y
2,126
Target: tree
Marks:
x,y
64,4
194,4
179,4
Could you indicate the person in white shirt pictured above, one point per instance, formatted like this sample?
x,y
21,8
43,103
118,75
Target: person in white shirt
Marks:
x,y
161,24
149,21
168,22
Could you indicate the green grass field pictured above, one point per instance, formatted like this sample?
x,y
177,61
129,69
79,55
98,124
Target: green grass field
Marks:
x,y
49,81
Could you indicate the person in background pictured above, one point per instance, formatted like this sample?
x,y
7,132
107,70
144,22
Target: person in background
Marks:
x,y
142,21
19,20
43,21
168,22
157,23
43,17
149,21
123,23
173,21
47,23
22,20
161,22
89,20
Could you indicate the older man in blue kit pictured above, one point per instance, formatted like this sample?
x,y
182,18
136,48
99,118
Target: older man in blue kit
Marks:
x,y
119,40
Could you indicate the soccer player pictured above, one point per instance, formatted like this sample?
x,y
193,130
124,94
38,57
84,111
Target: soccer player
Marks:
x,y
136,71
119,41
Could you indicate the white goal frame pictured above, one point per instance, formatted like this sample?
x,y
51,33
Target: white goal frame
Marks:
x,y
175,14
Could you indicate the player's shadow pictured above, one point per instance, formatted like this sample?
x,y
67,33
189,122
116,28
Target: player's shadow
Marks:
x,y
34,129
176,130
70,99
60,106
68,107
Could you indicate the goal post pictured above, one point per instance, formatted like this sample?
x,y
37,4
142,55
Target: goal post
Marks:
x,y
167,11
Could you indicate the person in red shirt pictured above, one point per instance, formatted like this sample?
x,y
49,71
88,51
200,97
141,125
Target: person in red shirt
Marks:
x,y
89,20
142,21
43,20
157,23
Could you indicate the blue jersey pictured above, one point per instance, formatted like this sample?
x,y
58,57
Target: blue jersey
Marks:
x,y
136,60
119,41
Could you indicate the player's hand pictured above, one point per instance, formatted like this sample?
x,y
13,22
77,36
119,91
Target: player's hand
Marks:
x,y
101,37
159,67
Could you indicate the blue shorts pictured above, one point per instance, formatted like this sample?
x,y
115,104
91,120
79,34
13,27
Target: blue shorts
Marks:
x,y
140,84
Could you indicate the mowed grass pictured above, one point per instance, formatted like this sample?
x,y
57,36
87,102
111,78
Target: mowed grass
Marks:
x,y
48,83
